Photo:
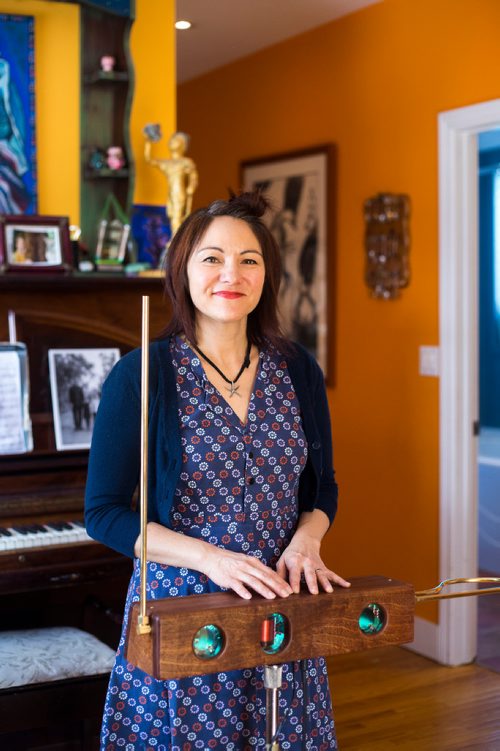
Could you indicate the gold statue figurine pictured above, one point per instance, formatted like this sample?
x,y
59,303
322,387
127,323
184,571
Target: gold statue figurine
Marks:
x,y
180,171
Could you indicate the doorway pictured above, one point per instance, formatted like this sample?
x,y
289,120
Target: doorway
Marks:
x,y
488,646
459,369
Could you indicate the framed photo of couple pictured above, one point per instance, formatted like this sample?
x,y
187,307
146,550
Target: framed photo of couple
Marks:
x,y
34,243
76,379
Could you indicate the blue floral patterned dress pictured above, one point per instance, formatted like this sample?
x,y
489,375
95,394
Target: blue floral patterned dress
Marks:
x,y
238,490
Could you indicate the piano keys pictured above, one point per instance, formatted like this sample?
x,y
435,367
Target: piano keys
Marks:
x,y
36,535
68,557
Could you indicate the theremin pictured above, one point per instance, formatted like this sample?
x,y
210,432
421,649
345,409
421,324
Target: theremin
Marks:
x,y
218,632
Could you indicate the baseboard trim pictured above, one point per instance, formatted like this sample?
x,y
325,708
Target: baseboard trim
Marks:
x,y
426,639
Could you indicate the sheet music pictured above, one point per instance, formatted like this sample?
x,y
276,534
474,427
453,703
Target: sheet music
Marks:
x,y
15,426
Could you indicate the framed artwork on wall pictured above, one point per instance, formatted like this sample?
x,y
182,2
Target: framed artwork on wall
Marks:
x,y
151,232
18,179
298,187
35,243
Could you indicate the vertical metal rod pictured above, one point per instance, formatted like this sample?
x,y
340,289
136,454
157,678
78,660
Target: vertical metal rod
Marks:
x,y
272,684
143,626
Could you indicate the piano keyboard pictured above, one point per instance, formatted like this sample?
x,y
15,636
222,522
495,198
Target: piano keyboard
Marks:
x,y
41,535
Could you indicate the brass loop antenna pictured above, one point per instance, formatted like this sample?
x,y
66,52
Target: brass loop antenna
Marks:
x,y
143,625
436,593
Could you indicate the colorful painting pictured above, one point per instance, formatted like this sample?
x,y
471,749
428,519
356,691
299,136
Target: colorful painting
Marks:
x,y
151,232
18,193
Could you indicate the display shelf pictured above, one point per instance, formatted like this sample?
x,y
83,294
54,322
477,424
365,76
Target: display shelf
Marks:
x,y
74,279
107,174
101,76
106,99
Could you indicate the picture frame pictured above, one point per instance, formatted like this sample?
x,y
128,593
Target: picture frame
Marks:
x,y
151,232
112,240
16,435
300,188
33,243
76,378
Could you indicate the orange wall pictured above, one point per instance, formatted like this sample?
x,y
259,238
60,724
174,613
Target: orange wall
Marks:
x,y
373,83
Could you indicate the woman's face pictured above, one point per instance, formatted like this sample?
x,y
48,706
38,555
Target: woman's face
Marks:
x,y
20,244
226,272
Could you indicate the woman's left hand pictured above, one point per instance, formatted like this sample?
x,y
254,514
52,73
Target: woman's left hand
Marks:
x,y
302,559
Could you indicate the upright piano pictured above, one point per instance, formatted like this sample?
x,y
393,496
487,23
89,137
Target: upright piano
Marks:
x,y
51,572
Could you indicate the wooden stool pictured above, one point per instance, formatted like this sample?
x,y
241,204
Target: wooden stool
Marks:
x,y
52,681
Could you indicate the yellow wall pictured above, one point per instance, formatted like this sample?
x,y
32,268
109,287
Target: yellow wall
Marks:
x,y
373,83
153,53
57,77
57,102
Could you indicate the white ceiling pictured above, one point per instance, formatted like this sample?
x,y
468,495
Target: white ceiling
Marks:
x,y
225,30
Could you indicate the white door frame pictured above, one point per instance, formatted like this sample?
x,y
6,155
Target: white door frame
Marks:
x,y
459,368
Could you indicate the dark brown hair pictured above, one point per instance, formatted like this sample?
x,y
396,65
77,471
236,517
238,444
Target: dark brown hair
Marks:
x,y
250,207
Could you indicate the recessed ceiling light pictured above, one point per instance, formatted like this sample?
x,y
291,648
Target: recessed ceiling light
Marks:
x,y
182,25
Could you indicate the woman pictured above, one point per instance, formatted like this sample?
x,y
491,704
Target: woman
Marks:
x,y
241,484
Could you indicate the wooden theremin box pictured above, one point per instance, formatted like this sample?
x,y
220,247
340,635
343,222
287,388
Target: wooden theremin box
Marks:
x,y
316,625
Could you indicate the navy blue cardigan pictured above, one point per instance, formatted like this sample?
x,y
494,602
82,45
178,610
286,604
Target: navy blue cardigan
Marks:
x,y
114,462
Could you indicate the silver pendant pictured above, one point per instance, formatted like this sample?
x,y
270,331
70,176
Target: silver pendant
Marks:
x,y
232,390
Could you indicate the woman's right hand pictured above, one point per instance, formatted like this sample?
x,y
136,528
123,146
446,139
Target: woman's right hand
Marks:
x,y
235,571
241,573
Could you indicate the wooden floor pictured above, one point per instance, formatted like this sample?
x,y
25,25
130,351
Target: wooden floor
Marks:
x,y
391,698
488,632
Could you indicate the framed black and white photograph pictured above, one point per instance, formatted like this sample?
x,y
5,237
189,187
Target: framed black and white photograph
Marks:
x,y
35,243
76,379
297,185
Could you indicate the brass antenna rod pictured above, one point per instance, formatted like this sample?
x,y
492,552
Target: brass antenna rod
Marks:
x,y
143,625
435,593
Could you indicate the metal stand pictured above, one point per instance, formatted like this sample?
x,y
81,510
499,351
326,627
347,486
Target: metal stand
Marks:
x,y
272,684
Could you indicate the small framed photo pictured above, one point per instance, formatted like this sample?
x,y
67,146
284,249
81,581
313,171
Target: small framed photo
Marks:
x,y
76,379
299,186
34,243
112,239
151,232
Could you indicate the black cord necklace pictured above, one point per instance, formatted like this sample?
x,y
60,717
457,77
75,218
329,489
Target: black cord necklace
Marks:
x,y
246,363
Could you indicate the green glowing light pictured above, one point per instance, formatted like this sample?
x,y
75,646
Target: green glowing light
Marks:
x,y
208,642
372,619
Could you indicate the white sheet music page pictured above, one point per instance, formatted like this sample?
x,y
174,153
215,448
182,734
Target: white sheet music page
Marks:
x,y
12,435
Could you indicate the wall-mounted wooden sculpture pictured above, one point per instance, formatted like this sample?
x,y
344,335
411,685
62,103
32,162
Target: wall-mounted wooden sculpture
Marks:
x,y
387,244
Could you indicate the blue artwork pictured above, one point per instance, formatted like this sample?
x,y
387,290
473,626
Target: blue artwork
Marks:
x,y
151,231
18,192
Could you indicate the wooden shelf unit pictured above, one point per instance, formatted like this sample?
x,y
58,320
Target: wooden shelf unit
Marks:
x,y
106,100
